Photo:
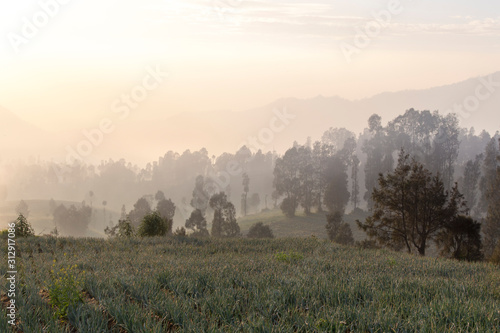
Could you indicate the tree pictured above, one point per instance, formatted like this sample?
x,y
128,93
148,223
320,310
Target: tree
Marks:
x,y
246,188
91,195
289,206
337,137
489,171
355,181
22,227
378,150
336,195
254,202
224,223
461,239
153,224
141,209
197,223
492,223
23,209
159,196
123,214
338,231
321,153
72,220
104,203
446,146
200,195
307,189
124,228
287,181
472,174
166,208
259,230
411,207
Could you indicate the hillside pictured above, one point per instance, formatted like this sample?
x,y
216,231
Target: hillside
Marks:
x,y
301,225
286,285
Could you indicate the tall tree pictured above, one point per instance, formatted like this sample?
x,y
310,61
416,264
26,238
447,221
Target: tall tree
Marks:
x,y
200,195
378,150
411,207
355,181
224,223
472,174
337,195
166,208
72,221
104,203
197,223
489,171
446,147
246,188
287,180
159,196
321,153
123,214
492,223
307,189
141,209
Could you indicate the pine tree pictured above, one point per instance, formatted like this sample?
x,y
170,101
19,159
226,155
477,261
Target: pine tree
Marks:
x,y
411,207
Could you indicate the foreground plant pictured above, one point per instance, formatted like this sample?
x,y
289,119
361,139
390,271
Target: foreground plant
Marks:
x,y
64,289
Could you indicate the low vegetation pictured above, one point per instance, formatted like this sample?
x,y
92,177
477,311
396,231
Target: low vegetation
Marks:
x,y
183,284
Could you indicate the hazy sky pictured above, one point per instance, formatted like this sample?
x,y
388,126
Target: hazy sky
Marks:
x,y
230,54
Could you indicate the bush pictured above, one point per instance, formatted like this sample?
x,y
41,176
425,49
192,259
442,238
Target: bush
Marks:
x,y
64,289
368,244
461,239
180,231
495,257
338,231
259,230
289,206
23,228
202,233
124,228
288,258
154,225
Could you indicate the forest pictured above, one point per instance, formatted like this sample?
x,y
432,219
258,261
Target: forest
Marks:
x,y
342,172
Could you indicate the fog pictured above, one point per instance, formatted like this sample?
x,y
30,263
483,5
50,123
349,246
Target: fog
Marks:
x,y
123,100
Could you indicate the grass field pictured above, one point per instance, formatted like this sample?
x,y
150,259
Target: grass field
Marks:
x,y
241,285
301,225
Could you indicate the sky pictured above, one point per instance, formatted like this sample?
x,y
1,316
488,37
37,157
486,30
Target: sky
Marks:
x,y
65,63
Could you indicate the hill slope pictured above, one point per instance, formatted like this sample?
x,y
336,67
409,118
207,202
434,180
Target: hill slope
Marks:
x,y
302,285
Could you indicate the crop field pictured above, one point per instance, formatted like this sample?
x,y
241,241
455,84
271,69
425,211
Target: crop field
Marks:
x,y
183,284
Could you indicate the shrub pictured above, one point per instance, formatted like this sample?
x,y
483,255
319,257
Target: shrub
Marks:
x,y
259,230
154,225
368,244
289,206
288,258
64,289
180,231
124,228
338,231
23,228
461,239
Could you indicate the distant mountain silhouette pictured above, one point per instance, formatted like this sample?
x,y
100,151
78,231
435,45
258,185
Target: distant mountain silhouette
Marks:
x,y
220,131
227,130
